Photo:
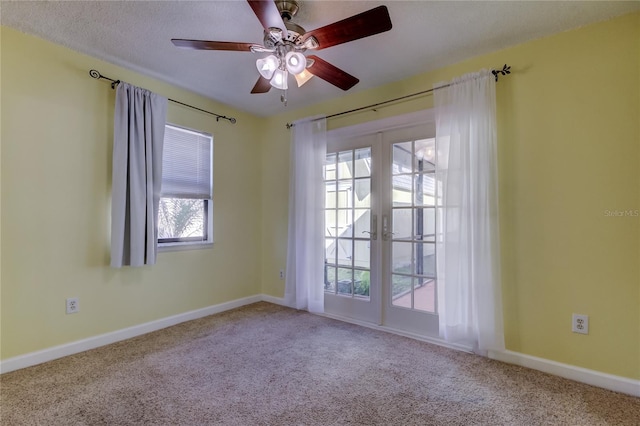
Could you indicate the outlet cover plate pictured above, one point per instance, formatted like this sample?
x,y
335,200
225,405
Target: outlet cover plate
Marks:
x,y
580,324
73,305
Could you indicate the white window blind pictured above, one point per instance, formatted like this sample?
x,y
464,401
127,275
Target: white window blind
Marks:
x,y
186,164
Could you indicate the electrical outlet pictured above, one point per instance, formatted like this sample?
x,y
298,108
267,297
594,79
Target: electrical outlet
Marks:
x,y
281,274
73,305
580,324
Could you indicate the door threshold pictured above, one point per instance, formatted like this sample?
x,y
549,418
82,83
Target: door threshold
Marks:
x,y
415,336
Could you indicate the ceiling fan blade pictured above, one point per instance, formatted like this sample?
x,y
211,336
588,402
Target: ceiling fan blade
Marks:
x,y
365,24
268,14
262,85
331,74
212,45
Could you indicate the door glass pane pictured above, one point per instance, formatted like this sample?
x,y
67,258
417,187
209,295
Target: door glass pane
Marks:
x,y
361,254
344,194
401,190
345,165
330,195
362,192
344,223
330,250
425,189
330,167
345,281
425,259
361,283
424,294
330,223
345,254
401,291
401,158
362,223
401,224
329,279
425,155
425,224
401,258
363,162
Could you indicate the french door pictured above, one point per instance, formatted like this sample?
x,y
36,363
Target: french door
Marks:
x,y
380,217
352,244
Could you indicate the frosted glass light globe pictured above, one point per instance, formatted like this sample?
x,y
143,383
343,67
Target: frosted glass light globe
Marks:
x,y
267,66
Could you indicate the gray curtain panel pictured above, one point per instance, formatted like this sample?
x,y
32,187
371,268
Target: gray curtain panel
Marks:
x,y
138,138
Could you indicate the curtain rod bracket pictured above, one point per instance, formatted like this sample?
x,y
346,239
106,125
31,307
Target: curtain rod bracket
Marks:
x,y
96,74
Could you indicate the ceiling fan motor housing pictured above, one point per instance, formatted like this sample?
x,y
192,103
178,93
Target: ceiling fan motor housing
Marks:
x,y
293,40
273,38
287,8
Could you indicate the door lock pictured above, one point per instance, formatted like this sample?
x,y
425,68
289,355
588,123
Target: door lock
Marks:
x,y
385,228
374,228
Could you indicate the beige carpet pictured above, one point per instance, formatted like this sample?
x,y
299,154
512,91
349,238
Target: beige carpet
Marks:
x,y
268,365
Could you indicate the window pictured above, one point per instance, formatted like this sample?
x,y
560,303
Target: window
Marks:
x,y
185,215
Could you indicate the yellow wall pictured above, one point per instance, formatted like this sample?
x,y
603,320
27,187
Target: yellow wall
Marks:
x,y
57,130
569,136
569,149
0,198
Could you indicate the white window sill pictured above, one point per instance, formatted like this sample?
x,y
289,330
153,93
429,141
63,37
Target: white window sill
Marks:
x,y
165,247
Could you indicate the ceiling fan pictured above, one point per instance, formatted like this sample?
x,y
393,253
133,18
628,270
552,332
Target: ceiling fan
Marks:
x,y
286,42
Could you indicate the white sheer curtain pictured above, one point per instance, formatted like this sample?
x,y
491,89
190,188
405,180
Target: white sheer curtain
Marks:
x,y
304,285
138,137
469,294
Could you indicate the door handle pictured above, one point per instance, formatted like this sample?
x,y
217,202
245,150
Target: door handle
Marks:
x,y
374,228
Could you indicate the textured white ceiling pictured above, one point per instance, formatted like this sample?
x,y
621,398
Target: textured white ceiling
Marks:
x,y
426,35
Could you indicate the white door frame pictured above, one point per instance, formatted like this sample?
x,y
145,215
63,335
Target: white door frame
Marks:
x,y
376,309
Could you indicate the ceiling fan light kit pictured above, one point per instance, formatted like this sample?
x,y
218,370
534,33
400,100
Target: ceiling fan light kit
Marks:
x,y
267,66
296,62
303,77
279,80
286,42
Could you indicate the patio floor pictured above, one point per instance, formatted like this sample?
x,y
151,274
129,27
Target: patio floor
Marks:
x,y
424,298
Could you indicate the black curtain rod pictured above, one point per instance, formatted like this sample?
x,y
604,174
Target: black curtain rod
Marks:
x,y
96,74
506,69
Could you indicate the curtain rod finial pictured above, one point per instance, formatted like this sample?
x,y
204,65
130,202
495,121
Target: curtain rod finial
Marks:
x,y
506,69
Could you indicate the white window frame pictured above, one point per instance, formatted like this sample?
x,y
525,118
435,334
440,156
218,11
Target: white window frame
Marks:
x,y
201,244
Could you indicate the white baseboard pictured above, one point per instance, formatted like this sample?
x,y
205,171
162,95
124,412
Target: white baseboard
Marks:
x,y
579,374
273,299
55,352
